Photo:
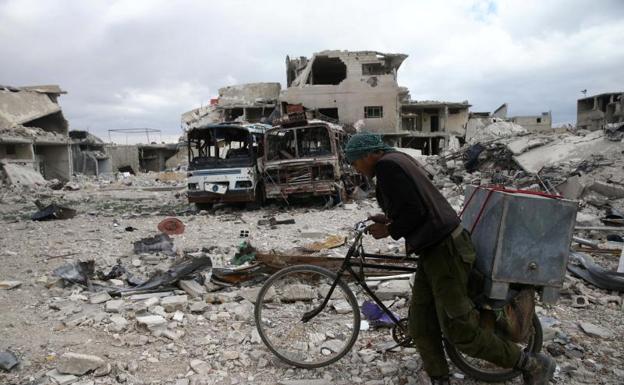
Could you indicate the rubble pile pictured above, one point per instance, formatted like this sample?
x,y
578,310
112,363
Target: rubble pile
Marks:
x,y
137,287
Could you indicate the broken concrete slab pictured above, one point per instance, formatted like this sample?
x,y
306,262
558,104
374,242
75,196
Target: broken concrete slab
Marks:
x,y
140,297
251,294
565,149
572,188
192,288
299,292
60,378
391,289
151,321
198,307
175,302
200,367
19,175
8,285
115,306
100,298
79,364
608,190
595,330
118,323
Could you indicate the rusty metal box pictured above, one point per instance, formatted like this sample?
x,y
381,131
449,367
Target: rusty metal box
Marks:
x,y
520,238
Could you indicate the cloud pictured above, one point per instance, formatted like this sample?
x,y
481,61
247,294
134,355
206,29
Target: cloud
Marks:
x,y
128,64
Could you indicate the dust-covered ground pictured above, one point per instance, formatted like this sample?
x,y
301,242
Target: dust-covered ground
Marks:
x,y
211,339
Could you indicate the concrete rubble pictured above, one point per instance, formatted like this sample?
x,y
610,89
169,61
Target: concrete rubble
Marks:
x,y
197,326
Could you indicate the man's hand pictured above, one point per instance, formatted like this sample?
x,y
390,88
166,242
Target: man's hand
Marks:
x,y
379,218
378,230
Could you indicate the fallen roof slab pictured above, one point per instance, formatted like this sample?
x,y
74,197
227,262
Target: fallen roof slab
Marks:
x,y
572,148
22,175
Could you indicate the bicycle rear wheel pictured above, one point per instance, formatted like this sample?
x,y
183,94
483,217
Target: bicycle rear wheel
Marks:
x,y
488,372
283,300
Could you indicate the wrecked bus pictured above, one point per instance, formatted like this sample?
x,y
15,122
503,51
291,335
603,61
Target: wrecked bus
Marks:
x,y
305,159
223,165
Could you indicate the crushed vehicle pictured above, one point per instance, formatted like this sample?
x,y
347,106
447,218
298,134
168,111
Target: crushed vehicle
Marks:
x,y
223,163
304,158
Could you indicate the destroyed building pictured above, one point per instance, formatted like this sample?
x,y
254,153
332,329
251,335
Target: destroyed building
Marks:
x,y
89,154
429,125
348,87
34,132
532,123
593,112
153,157
251,103
361,86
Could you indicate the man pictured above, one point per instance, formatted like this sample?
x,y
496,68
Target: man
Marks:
x,y
415,210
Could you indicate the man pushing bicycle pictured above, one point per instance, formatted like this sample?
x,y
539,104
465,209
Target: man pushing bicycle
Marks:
x,y
415,210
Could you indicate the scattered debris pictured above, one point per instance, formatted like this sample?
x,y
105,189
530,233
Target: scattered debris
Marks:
x,y
160,243
8,285
375,315
79,364
330,242
171,226
52,212
76,272
8,361
183,269
246,253
583,265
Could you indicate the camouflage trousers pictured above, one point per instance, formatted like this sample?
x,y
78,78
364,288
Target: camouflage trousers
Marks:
x,y
440,305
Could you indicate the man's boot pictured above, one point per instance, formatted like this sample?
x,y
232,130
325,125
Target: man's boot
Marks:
x,y
442,380
536,368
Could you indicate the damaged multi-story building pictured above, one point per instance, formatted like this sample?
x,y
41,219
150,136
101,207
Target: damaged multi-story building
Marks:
x,y
251,103
360,88
34,132
594,112
348,87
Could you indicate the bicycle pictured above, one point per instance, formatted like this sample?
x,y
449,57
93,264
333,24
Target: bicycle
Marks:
x,y
309,317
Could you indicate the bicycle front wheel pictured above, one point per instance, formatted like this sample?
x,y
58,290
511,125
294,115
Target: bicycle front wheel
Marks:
x,y
279,314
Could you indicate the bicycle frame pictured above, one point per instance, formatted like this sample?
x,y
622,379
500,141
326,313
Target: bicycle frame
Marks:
x,y
357,250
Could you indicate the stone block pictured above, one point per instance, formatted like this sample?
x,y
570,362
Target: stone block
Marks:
x,y
151,321
115,306
79,364
100,298
175,302
192,288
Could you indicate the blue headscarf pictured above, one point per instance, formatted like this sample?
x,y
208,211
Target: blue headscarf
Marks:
x,y
362,144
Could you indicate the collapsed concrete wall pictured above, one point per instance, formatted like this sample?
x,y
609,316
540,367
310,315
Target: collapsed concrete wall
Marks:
x,y
88,154
123,157
153,157
53,161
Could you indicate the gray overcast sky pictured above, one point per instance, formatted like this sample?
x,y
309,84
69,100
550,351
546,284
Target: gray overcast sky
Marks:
x,y
134,63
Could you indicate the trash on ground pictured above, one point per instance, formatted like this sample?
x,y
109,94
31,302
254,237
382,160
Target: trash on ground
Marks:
x,y
375,315
330,242
76,272
160,243
583,266
8,361
171,226
53,212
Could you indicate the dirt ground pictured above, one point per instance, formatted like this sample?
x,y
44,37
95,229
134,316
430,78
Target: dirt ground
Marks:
x,y
41,320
